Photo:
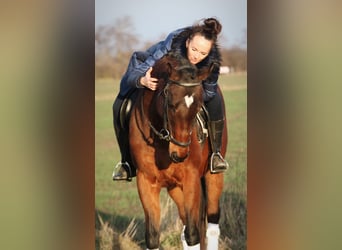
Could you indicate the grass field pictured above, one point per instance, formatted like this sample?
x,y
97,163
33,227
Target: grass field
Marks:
x,y
119,216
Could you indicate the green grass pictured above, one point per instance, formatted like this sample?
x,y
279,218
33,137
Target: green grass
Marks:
x,y
118,202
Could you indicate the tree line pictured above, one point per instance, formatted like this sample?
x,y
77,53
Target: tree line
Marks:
x,y
114,45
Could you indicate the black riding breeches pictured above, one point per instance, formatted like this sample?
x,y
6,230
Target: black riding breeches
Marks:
x,y
121,133
215,108
121,113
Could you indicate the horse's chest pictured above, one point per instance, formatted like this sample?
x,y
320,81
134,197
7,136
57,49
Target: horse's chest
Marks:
x,y
172,176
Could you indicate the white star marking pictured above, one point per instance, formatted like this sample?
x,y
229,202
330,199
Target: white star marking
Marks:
x,y
188,100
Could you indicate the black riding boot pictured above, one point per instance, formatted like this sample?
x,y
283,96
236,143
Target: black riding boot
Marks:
x,y
217,162
123,170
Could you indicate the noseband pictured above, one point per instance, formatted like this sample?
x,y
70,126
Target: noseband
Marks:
x,y
165,133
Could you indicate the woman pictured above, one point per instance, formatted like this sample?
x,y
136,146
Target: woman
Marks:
x,y
198,44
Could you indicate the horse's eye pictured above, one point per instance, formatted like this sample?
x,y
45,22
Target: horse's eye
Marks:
x,y
170,104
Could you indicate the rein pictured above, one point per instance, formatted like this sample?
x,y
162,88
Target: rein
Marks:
x,y
165,133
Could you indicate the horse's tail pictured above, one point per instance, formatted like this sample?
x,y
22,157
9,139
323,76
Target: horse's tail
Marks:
x,y
203,214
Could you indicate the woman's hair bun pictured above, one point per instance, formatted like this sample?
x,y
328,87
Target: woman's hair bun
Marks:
x,y
209,28
212,25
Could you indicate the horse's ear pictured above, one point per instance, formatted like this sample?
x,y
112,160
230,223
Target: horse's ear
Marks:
x,y
169,68
206,71
214,67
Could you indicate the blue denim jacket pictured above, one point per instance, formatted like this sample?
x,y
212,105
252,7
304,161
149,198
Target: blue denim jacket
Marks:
x,y
141,61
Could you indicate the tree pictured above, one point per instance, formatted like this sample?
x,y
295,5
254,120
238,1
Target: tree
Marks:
x,y
113,47
235,58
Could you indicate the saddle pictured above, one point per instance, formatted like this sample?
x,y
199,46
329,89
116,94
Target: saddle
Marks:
x,y
125,109
125,112
202,119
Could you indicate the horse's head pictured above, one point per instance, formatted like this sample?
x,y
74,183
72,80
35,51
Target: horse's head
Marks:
x,y
180,99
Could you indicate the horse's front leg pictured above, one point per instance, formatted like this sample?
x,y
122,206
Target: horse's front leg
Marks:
x,y
177,195
149,195
214,185
192,200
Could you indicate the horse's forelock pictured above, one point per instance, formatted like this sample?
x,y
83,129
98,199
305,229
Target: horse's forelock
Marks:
x,y
176,67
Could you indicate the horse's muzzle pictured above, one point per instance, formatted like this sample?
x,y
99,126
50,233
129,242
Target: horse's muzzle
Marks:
x,y
176,159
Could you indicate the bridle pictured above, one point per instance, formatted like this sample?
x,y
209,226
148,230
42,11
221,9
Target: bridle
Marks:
x,y
165,133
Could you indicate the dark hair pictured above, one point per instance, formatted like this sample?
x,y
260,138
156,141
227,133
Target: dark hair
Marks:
x,y
210,29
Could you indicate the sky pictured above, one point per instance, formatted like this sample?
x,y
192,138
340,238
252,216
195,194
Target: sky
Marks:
x,y
154,18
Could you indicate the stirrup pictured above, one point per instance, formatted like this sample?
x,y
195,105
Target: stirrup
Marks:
x,y
218,169
122,172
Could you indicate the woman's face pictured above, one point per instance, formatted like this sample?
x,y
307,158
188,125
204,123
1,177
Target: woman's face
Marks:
x,y
198,48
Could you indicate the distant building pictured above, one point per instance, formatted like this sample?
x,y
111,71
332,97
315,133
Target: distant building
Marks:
x,y
224,70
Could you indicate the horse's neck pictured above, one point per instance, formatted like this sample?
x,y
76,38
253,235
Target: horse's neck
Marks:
x,y
147,105
153,108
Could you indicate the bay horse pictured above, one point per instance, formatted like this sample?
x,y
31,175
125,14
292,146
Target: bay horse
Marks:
x,y
166,152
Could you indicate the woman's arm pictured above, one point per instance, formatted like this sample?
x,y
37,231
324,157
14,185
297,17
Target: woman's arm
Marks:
x,y
141,62
210,83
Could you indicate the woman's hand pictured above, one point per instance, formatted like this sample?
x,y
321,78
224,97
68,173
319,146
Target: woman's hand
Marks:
x,y
148,81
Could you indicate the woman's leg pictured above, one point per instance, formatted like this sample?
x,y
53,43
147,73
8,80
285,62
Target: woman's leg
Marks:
x,y
123,170
216,125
